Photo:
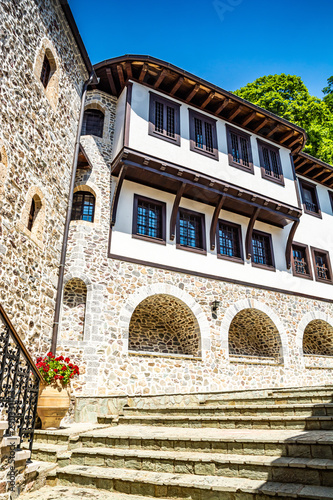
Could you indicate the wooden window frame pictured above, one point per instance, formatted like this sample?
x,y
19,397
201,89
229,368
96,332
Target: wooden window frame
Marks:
x,y
245,136
84,123
264,266
84,193
202,250
194,114
238,227
153,98
330,194
264,175
308,276
309,185
328,262
162,240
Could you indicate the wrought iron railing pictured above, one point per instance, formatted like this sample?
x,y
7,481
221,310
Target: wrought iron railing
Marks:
x,y
19,383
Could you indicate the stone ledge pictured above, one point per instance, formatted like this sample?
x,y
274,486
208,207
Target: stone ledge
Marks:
x,y
164,355
254,361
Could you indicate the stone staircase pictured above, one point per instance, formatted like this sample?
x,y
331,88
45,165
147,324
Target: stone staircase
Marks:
x,y
277,444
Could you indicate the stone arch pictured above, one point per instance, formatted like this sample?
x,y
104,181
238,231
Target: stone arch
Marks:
x,y
46,48
73,310
251,328
315,334
90,187
3,167
178,300
94,102
37,228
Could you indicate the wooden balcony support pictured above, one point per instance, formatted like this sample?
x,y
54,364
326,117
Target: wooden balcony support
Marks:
x,y
111,81
121,75
248,119
174,212
121,178
290,241
248,239
214,222
177,85
160,79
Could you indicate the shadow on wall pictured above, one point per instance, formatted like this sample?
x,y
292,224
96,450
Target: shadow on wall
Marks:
x,y
74,309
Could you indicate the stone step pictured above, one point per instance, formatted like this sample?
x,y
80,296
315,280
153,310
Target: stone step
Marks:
x,y
63,435
157,485
326,397
274,468
306,410
229,422
290,443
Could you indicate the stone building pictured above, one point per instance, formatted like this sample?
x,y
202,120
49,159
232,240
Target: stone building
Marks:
x,y
199,250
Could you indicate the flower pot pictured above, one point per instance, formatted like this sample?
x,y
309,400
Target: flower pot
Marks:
x,y
53,404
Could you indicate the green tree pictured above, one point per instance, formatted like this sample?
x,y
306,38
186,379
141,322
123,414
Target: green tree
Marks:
x,y
288,97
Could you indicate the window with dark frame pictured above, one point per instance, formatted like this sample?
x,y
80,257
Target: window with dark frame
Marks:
x,y
164,120
322,265
93,122
148,219
191,230
301,261
270,162
262,252
31,214
46,72
83,206
203,138
229,242
239,149
310,198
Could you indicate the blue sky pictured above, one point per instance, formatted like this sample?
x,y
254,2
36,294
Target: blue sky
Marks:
x,y
227,42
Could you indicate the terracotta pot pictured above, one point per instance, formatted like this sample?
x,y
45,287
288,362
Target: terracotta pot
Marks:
x,y
53,404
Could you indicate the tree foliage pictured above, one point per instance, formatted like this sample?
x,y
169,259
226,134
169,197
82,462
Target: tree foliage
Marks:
x,y
288,97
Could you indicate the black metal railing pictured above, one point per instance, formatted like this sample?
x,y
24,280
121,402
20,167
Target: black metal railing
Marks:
x,y
19,383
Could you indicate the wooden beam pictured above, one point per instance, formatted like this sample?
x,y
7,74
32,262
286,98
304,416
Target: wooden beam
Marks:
x,y
309,169
121,75
261,125
235,113
327,178
248,240
177,85
286,136
143,72
299,165
160,79
214,221
127,114
111,81
174,212
222,106
129,70
294,142
208,99
290,241
121,178
192,93
319,173
248,118
277,126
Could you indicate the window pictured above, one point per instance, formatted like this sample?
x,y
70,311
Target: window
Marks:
x,y
46,71
149,219
203,137
83,206
164,121
191,231
310,199
322,265
229,241
93,122
239,149
301,261
262,251
32,214
270,163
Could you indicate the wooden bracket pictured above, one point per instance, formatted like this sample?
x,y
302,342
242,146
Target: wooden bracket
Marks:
x,y
248,240
121,178
290,241
214,221
174,212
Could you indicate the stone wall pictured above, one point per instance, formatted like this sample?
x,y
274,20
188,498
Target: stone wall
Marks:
x,y
74,310
37,135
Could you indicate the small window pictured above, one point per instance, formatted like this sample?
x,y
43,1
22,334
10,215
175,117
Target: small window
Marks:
x,y
310,199
93,123
191,231
229,241
148,219
239,149
262,251
164,120
32,214
301,261
83,206
203,138
46,71
322,265
270,162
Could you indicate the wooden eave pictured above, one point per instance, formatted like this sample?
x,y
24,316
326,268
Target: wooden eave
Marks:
x,y
186,87
165,176
314,169
83,160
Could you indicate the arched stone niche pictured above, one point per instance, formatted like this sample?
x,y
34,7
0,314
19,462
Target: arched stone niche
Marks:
x,y
93,102
51,91
90,187
73,310
318,338
36,233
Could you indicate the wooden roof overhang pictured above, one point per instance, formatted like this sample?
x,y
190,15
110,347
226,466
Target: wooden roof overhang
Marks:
x,y
314,169
186,87
170,177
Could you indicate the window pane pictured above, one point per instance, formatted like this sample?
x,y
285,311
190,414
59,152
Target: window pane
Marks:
x,y
149,219
309,199
93,122
300,263
159,117
46,70
275,166
234,147
229,240
170,122
261,249
245,152
267,163
321,266
190,232
198,133
83,206
209,137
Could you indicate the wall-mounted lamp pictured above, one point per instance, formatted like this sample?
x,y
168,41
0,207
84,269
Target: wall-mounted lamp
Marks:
x,y
215,305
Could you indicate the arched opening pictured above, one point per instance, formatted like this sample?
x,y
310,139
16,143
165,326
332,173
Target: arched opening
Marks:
x,y
318,338
253,333
164,324
35,207
73,310
83,206
93,122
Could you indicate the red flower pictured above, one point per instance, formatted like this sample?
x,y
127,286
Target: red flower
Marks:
x,y
50,354
64,368
61,377
55,370
71,375
56,377
45,369
71,366
67,360
39,360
